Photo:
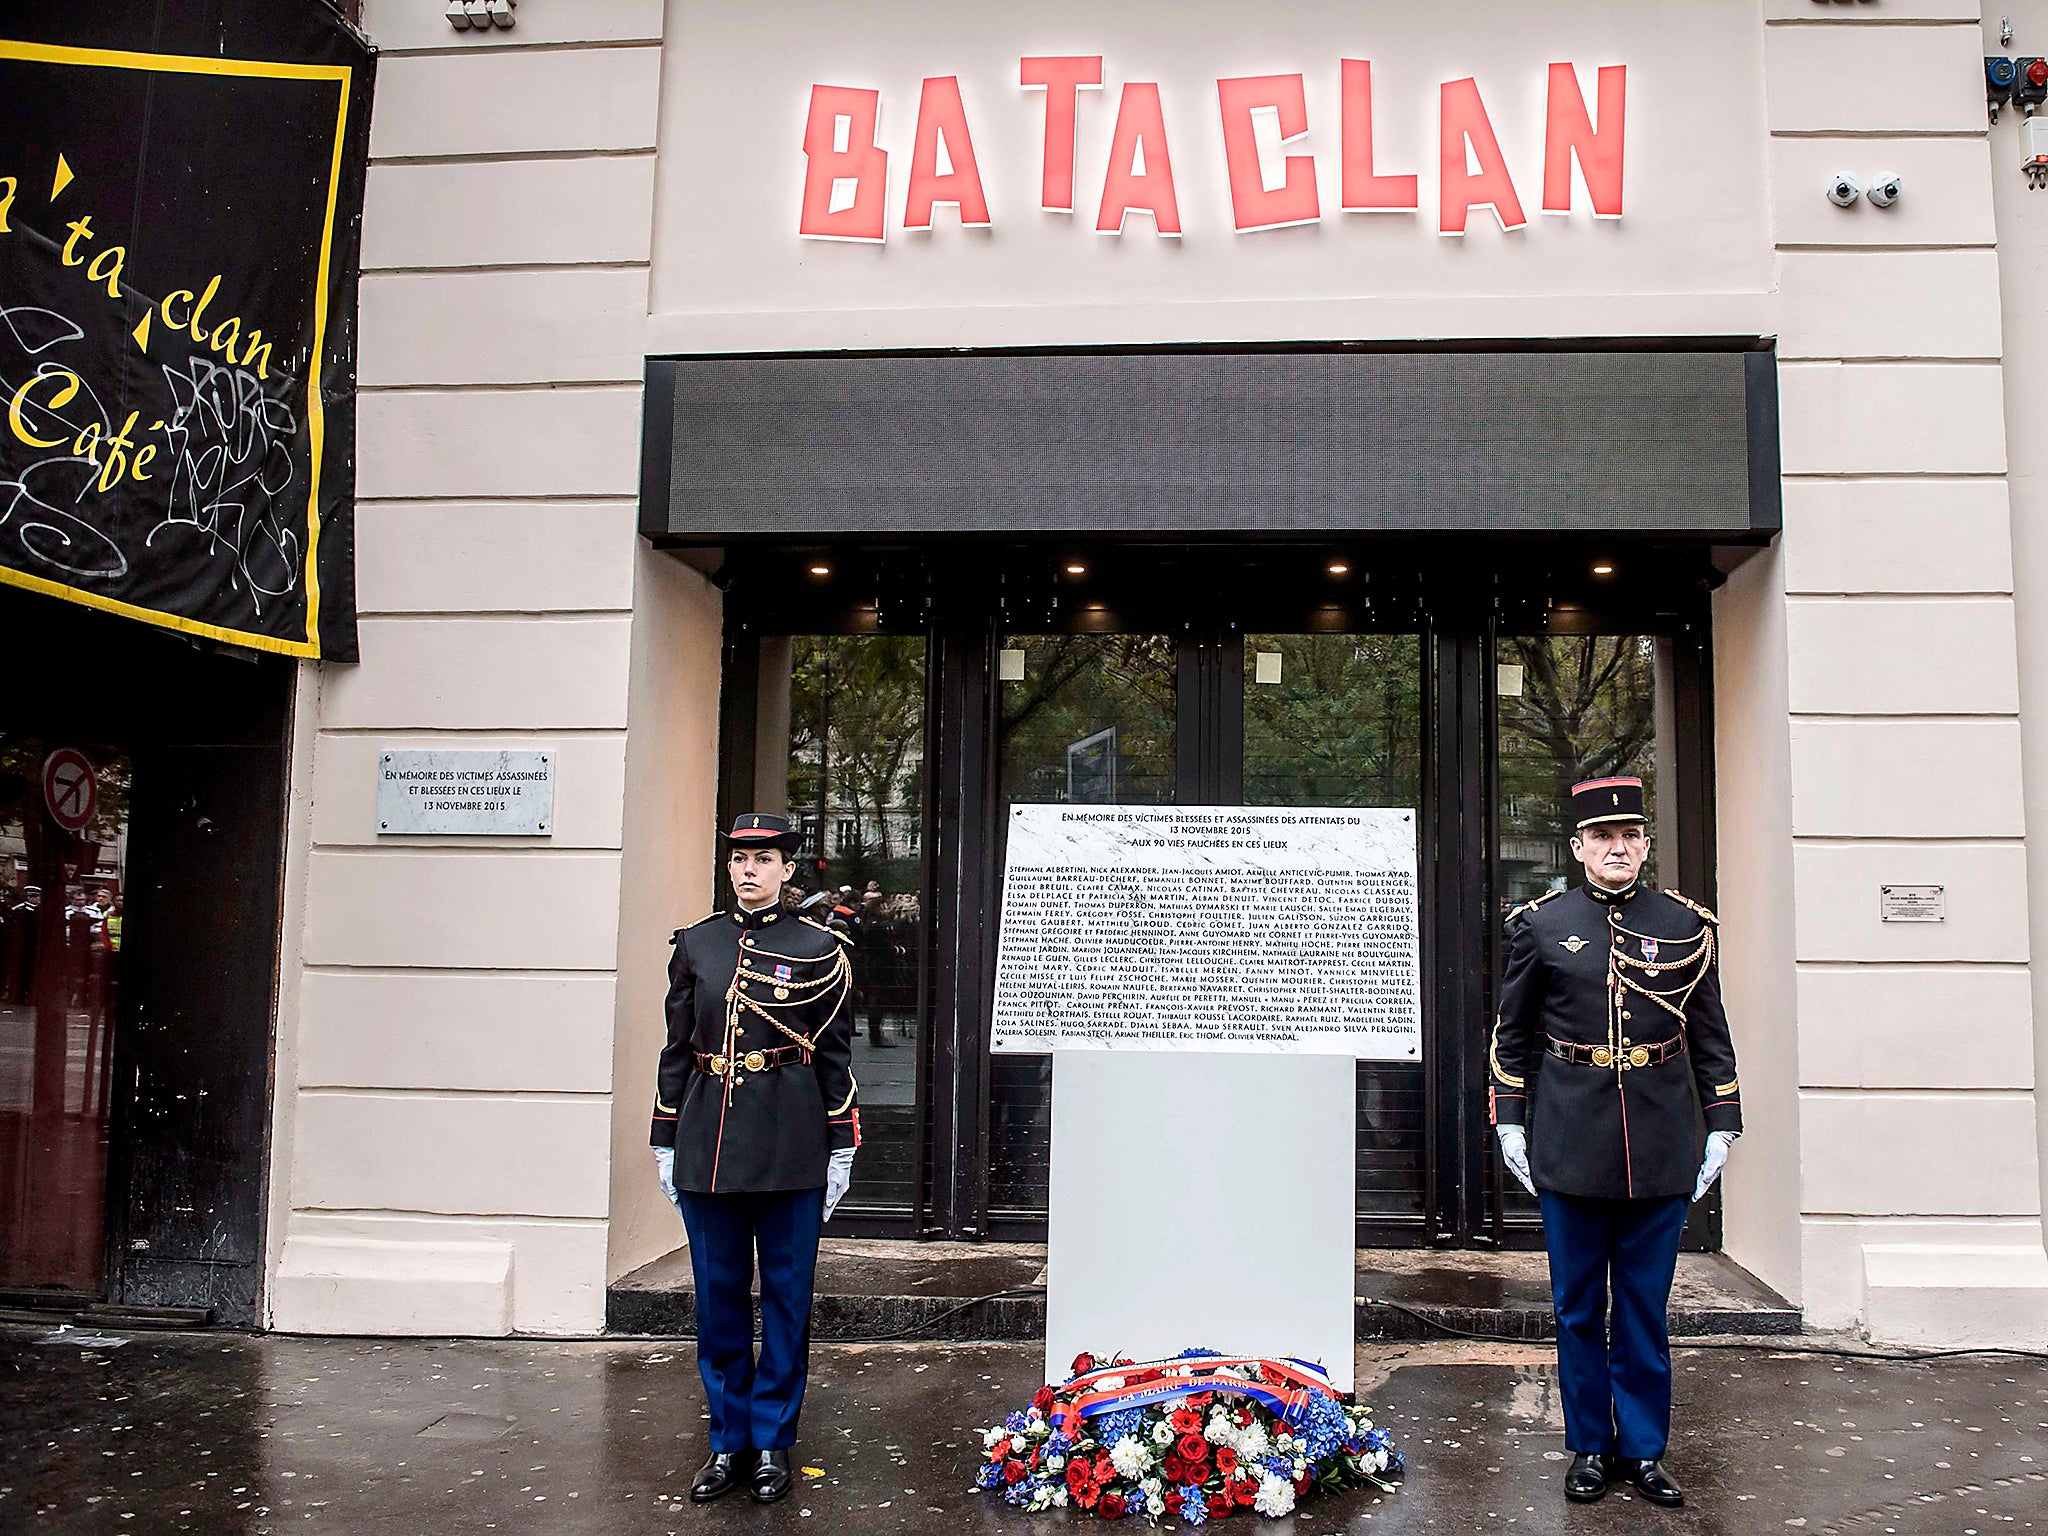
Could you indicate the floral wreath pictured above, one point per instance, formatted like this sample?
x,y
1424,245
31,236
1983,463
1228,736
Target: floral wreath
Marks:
x,y
1197,1437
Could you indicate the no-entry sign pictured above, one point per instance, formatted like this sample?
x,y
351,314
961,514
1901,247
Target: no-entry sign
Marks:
x,y
69,788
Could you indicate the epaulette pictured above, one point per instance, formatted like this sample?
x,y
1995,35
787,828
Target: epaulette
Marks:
x,y
709,916
1516,912
843,938
1687,901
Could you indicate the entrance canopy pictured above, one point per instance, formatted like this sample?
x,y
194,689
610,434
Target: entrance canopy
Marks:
x,y
1646,441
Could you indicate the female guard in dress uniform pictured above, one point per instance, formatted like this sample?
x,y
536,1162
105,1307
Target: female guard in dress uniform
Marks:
x,y
755,1123
1614,1096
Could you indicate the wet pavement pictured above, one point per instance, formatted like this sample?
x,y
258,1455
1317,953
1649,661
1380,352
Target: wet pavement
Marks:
x,y
228,1433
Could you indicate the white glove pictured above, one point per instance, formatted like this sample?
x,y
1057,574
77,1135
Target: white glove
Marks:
x,y
665,1170
1718,1143
1514,1151
838,1174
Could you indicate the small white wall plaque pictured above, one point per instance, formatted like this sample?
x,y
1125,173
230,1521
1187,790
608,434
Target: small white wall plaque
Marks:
x,y
465,794
1912,904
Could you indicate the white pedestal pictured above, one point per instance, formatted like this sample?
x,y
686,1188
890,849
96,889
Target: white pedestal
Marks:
x,y
1201,1200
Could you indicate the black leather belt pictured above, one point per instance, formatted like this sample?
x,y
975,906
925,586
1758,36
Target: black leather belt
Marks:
x,y
1605,1056
752,1061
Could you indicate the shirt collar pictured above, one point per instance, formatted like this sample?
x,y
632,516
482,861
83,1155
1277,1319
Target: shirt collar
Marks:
x,y
760,917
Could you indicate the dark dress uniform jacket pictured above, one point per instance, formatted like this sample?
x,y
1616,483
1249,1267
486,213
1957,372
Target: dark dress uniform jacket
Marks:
x,y
1630,984
769,982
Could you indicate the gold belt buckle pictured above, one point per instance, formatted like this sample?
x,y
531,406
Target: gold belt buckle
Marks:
x,y
718,1066
1639,1057
1602,1056
755,1061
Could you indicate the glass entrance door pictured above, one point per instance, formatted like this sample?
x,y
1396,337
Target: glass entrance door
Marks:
x,y
1336,719
897,706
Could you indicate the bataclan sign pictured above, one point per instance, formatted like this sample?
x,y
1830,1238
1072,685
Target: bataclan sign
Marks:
x,y
846,170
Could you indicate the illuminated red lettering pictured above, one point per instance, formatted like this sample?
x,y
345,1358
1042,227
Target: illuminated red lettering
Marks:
x,y
846,173
1140,175
942,168
1062,77
1366,191
1568,131
1253,204
1462,121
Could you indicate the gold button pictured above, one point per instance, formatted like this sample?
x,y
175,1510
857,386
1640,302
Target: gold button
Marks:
x,y
755,1061
1625,1039
1602,1057
781,993
1639,1057
718,1066
737,1079
1626,1015
743,986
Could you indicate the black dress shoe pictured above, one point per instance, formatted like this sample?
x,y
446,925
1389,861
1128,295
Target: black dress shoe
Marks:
x,y
1650,1480
1587,1478
771,1476
720,1475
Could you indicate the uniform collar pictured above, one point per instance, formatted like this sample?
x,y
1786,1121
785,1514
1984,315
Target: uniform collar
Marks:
x,y
756,919
1607,898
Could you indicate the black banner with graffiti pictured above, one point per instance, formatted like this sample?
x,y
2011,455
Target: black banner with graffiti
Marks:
x,y
181,194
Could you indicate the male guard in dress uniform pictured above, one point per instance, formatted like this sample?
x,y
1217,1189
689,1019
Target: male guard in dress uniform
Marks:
x,y
1614,1096
755,1123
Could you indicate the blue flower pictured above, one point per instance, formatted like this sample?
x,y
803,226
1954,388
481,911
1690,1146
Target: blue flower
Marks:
x,y
1112,1427
1017,1493
1057,1444
1194,1506
1201,1354
1015,1423
990,1475
1279,1466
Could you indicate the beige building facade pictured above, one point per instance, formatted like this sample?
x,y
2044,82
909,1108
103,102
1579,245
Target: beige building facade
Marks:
x,y
467,1027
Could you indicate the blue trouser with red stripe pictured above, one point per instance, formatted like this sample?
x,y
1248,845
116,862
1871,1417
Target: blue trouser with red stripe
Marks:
x,y
754,1404
1615,1370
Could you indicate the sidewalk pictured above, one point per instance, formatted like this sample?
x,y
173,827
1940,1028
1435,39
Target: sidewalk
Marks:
x,y
229,1433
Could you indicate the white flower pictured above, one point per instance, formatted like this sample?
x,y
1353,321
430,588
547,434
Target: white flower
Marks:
x,y
1055,1463
1130,1457
1162,1433
1221,1430
1107,1384
1155,1505
991,1438
1059,1495
1300,1465
1378,1461
1151,1485
1017,1444
1275,1496
1252,1442
1041,1498
1283,1442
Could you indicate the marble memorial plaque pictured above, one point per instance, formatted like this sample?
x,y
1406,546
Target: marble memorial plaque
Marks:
x,y
466,793
1231,928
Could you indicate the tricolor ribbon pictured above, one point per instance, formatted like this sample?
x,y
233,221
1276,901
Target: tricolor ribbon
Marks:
x,y
1285,1386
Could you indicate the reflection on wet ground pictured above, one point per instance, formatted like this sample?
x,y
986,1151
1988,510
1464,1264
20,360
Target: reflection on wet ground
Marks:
x,y
229,1433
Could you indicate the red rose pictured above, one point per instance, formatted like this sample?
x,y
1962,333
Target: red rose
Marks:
x,y
1042,1399
1111,1506
1173,1502
1185,1421
1219,1505
1083,1363
1302,1484
1173,1469
1144,1376
1226,1460
1247,1490
1013,1471
1244,1417
1193,1448
1079,1475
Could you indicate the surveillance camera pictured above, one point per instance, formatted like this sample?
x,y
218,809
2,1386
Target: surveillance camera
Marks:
x,y
1843,189
1885,190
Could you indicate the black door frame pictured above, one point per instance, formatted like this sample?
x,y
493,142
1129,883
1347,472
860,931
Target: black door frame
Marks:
x,y
1460,596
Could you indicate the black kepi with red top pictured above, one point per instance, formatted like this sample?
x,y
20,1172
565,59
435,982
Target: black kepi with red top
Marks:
x,y
763,829
1598,800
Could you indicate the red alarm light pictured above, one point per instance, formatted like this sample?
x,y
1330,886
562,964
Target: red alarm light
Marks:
x,y
2037,72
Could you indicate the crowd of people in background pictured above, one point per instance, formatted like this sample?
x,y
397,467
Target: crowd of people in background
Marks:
x,y
90,935
884,931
